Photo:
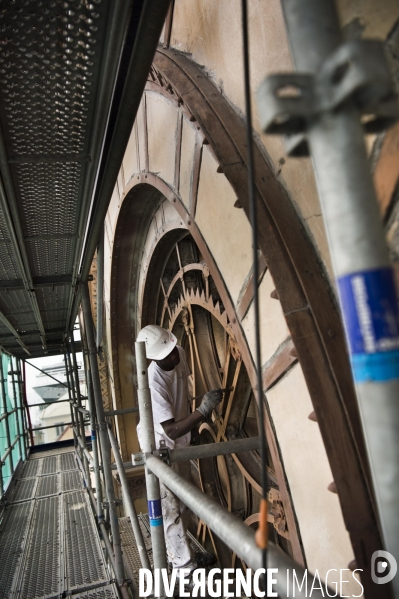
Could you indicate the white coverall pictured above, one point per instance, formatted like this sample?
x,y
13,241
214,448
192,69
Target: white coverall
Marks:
x,y
170,399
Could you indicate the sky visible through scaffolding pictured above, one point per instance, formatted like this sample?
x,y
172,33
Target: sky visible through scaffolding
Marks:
x,y
32,377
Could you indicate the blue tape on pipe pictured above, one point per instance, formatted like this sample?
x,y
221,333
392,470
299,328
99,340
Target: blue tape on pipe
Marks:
x,y
155,512
371,315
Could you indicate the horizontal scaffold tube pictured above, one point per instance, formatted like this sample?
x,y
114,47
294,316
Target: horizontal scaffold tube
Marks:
x,y
232,531
196,452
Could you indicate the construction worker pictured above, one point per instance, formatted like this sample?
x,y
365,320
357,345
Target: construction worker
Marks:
x,y
168,376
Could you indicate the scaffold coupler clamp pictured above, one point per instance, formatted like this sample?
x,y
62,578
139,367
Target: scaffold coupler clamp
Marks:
x,y
357,70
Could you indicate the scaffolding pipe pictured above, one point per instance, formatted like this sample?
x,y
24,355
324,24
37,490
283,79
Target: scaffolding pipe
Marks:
x,y
232,531
14,391
89,458
21,407
7,414
94,447
4,402
121,412
48,403
72,388
108,546
360,257
25,402
128,503
100,289
70,402
8,451
47,374
104,533
1,481
148,445
104,440
43,428
79,402
211,450
82,410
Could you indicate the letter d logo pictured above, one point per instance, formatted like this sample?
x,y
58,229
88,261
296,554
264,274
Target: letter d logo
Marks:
x,y
383,562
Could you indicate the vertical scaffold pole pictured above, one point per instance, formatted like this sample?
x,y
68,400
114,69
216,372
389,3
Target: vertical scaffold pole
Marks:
x,y
4,402
74,404
128,503
25,402
104,439
97,478
15,395
152,482
79,401
364,276
100,289
75,441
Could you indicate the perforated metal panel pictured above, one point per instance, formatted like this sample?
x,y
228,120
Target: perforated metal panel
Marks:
x,y
25,489
68,462
129,547
42,572
51,61
84,558
71,481
49,546
50,465
31,469
107,592
12,541
48,485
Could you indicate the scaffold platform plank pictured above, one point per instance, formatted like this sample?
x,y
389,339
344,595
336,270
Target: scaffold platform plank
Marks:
x,y
49,543
130,553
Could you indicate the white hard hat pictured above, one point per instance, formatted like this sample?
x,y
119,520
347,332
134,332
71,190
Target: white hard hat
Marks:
x,y
158,341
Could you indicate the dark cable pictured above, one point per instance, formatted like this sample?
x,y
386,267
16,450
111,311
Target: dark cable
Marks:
x,y
254,224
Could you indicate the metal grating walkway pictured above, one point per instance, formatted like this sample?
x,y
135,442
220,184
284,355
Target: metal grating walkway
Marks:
x,y
49,544
131,556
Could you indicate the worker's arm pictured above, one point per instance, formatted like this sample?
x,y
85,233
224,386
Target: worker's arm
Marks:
x,y
174,429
